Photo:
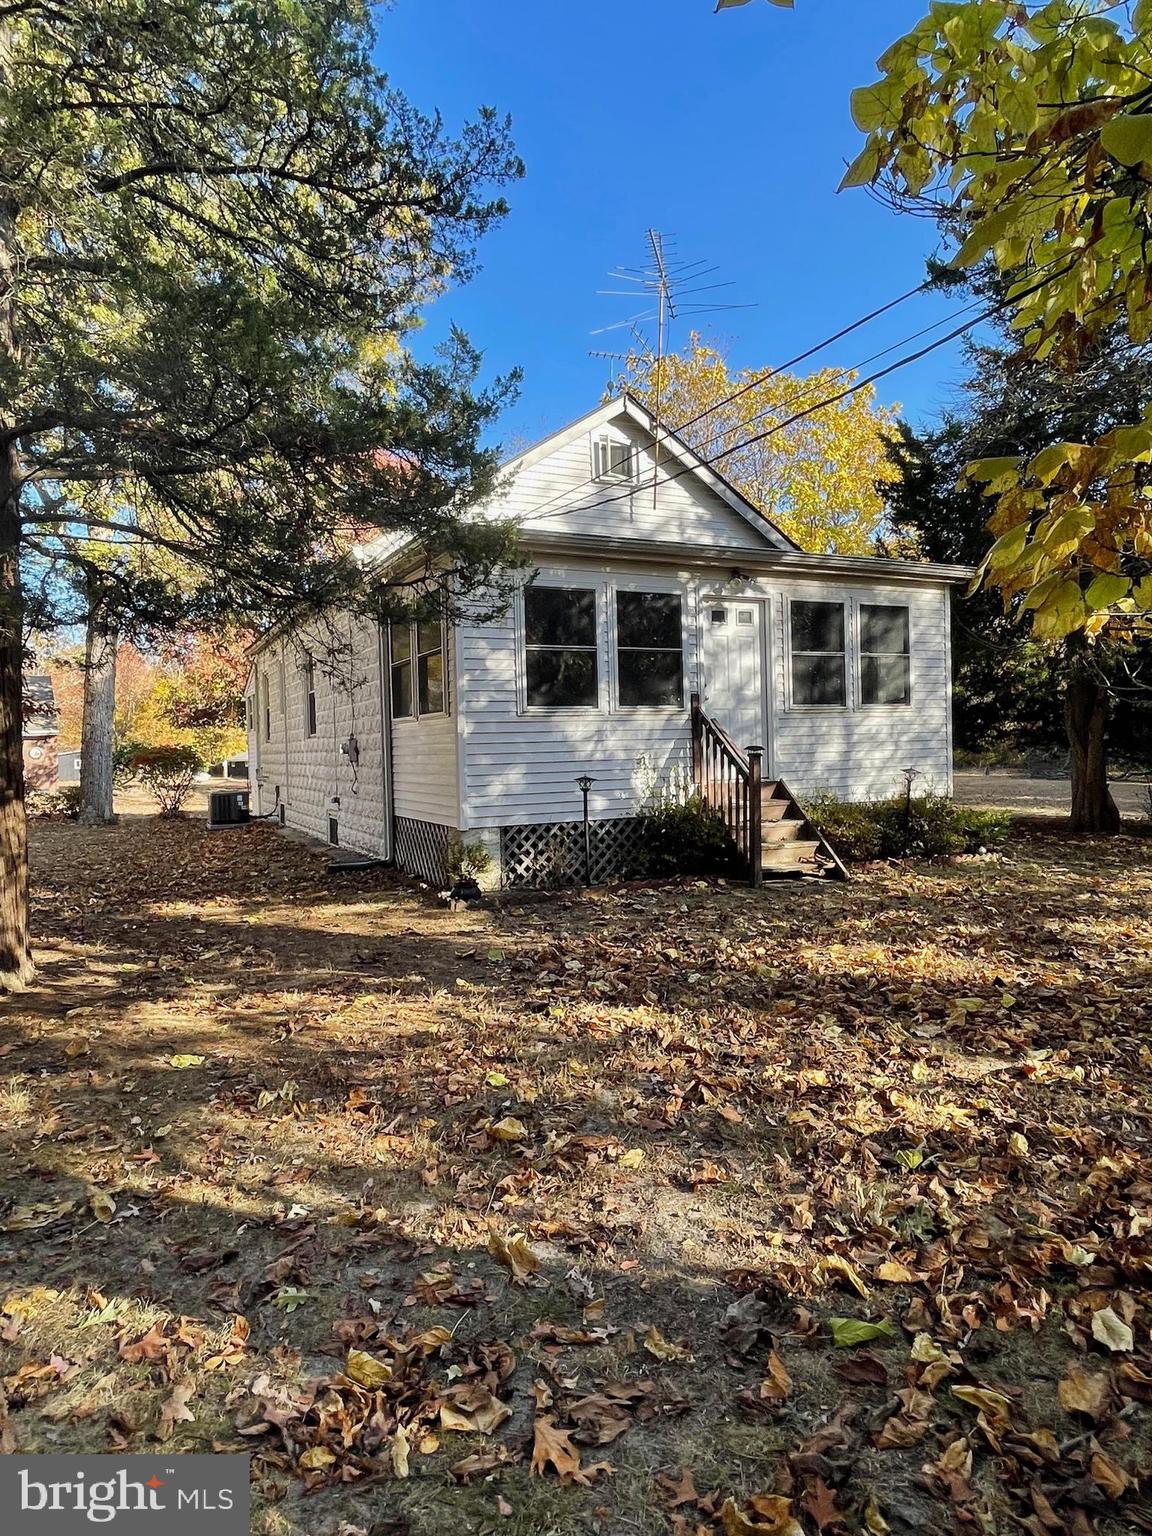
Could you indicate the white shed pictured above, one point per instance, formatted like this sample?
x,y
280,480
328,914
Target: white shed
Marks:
x,y
836,668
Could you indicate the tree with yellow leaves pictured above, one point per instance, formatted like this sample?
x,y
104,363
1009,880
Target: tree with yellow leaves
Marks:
x,y
819,479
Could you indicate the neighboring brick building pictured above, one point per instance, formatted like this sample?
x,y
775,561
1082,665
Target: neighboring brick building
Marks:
x,y
40,729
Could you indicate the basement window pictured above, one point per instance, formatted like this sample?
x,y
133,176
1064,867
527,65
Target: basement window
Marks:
x,y
819,674
885,655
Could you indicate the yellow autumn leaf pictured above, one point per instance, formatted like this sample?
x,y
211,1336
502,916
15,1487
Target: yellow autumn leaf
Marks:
x,y
366,1370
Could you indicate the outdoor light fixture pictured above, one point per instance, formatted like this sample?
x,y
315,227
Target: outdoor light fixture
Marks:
x,y
584,783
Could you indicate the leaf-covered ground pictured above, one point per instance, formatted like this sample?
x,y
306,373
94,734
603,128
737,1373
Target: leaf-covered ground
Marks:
x,y
690,1210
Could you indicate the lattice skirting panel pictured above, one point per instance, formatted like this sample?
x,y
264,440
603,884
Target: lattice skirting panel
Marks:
x,y
422,848
552,856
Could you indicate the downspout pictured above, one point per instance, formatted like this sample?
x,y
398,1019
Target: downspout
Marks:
x,y
386,766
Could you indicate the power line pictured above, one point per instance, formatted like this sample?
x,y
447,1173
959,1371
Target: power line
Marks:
x,y
801,357
855,388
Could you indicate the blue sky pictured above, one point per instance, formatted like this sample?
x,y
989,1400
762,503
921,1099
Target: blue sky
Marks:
x,y
728,131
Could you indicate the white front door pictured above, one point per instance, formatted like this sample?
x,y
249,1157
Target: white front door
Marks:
x,y
732,666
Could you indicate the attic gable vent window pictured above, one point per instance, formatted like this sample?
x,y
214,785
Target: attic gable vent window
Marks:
x,y
613,459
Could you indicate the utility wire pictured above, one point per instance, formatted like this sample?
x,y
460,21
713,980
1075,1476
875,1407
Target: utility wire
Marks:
x,y
852,389
761,378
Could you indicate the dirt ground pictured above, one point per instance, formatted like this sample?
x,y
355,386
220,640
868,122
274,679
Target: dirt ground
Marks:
x,y
687,1209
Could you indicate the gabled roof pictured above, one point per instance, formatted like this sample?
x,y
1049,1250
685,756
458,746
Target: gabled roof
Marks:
x,y
671,444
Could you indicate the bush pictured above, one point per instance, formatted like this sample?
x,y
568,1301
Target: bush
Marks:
x,y
686,839
169,773
934,826
466,861
61,804
124,755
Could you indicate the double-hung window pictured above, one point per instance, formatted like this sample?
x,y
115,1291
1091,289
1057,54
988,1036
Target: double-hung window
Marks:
x,y
885,655
266,699
418,683
403,699
649,650
430,667
613,459
819,672
310,695
562,669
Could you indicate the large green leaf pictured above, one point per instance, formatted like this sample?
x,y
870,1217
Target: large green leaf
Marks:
x,y
1105,590
850,1331
1128,138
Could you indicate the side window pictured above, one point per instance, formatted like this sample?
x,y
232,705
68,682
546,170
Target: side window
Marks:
x,y
560,647
885,655
402,695
819,674
310,695
266,700
430,667
649,649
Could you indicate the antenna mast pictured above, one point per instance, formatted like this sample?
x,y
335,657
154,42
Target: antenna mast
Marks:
x,y
663,280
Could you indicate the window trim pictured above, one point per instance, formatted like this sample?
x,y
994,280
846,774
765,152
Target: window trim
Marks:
x,y
602,441
412,662
645,589
266,704
861,653
563,584
792,704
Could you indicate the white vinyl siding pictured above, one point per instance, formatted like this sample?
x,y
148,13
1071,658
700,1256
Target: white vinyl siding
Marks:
x,y
859,751
558,494
520,764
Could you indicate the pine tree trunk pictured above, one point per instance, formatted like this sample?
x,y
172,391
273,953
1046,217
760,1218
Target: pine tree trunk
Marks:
x,y
1086,721
96,735
15,956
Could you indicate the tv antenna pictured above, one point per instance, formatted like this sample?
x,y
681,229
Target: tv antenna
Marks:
x,y
671,289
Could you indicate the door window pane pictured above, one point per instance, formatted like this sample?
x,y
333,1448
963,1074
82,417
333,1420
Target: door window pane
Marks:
x,y
560,647
649,640
819,674
885,662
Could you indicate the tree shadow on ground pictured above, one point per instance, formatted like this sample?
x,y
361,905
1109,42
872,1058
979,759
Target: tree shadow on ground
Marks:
x,y
304,1097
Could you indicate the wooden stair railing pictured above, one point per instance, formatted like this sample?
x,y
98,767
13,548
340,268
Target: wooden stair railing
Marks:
x,y
729,782
767,823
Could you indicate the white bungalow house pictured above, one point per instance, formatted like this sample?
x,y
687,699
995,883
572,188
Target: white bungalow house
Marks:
x,y
836,667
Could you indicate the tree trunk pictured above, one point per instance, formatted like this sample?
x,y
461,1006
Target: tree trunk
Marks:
x,y
96,736
1086,721
15,955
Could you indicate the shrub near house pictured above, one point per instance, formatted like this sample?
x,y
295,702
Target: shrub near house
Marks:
x,y
930,826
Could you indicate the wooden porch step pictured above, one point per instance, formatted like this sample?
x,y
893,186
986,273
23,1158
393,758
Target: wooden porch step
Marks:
x,y
774,810
781,833
795,855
